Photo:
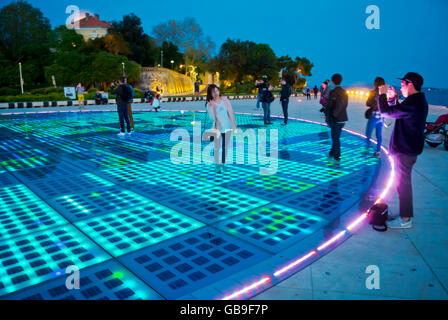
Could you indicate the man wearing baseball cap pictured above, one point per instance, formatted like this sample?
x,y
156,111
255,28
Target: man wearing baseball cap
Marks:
x,y
407,138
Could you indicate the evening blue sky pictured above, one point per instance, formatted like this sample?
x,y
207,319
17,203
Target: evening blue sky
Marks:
x,y
332,34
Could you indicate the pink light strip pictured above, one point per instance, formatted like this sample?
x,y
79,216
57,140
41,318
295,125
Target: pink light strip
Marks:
x,y
293,264
355,223
332,240
247,289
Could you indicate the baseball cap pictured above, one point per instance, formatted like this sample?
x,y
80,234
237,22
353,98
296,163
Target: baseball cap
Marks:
x,y
415,78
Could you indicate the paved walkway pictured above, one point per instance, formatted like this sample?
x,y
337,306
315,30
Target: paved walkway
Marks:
x,y
413,263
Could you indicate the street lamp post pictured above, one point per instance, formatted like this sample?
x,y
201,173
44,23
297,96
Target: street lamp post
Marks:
x,y
21,79
124,74
172,64
161,58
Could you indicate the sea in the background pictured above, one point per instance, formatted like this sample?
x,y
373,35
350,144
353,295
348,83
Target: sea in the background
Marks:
x,y
435,96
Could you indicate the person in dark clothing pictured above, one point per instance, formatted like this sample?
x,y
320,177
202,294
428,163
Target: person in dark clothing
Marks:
x,y
337,115
197,87
308,93
259,85
266,104
123,94
325,89
315,90
375,120
285,93
407,140
98,98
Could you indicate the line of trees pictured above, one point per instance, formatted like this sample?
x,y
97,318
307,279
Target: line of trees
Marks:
x,y
27,37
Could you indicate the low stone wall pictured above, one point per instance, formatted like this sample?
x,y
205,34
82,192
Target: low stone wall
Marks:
x,y
172,83
43,104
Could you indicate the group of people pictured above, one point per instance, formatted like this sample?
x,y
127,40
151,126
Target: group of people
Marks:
x,y
407,140
265,97
406,143
154,98
308,91
125,94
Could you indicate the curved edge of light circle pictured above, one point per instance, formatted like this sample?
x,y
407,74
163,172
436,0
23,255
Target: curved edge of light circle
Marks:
x,y
247,289
358,221
300,260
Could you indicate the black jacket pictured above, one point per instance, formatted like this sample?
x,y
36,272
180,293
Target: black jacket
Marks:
x,y
408,135
263,89
372,100
285,93
337,105
119,92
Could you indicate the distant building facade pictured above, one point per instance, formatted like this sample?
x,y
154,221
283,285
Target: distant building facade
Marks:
x,y
91,27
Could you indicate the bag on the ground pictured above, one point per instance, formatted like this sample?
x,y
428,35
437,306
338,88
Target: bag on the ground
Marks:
x,y
377,216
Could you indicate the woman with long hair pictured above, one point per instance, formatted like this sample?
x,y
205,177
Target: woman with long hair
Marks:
x,y
224,122
375,120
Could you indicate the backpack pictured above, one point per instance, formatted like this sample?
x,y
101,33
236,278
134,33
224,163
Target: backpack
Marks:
x,y
377,216
126,93
268,96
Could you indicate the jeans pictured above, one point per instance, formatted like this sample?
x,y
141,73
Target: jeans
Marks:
x,y
285,109
403,166
336,130
375,123
258,101
267,112
124,116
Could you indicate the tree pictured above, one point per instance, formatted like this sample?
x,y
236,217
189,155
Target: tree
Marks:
x,y
233,59
25,37
189,38
171,53
294,70
143,48
66,40
108,67
240,60
115,44
24,31
263,61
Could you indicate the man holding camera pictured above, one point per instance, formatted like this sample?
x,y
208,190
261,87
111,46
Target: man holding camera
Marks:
x,y
407,139
259,84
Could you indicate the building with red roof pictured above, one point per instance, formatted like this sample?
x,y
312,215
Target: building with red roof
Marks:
x,y
91,27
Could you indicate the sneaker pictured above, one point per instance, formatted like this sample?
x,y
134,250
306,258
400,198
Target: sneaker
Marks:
x,y
121,134
129,133
337,160
400,223
217,168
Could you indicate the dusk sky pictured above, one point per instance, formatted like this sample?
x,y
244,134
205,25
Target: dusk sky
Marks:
x,y
332,34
